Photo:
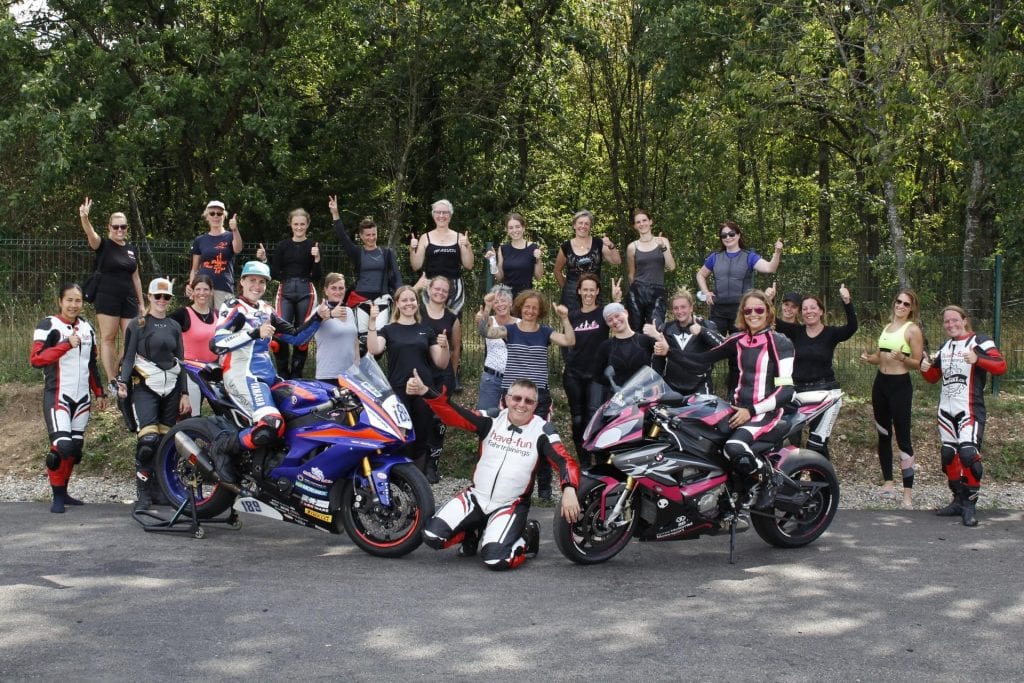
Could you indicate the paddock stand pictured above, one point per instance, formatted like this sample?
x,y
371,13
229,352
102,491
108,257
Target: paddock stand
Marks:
x,y
184,519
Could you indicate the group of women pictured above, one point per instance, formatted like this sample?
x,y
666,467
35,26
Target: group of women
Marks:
x,y
419,328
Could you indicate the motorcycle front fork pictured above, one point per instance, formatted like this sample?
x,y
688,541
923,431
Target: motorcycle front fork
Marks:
x,y
615,519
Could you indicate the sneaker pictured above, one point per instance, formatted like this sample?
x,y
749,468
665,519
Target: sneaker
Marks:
x,y
531,535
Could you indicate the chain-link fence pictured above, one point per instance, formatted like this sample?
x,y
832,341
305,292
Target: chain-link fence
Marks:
x,y
31,270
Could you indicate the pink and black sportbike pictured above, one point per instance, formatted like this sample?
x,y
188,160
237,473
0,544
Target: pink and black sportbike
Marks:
x,y
341,463
667,478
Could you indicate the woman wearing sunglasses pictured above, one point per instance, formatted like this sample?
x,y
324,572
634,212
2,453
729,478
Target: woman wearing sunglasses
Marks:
x,y
764,390
214,253
733,266
119,292
900,349
153,353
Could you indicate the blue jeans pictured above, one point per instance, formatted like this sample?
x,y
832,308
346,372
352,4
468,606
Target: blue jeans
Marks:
x,y
490,392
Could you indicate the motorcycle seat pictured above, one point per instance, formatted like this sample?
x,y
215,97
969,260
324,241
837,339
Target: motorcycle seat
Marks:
x,y
212,372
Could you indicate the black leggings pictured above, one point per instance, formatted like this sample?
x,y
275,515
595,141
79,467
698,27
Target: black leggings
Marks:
x,y
585,396
724,318
296,299
645,304
891,400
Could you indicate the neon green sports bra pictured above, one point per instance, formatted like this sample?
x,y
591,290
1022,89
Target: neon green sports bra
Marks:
x,y
893,341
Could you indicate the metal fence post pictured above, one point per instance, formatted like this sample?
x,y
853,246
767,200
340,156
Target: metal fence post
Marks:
x,y
997,314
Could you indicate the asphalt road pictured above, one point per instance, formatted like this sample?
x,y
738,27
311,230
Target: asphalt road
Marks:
x,y
89,596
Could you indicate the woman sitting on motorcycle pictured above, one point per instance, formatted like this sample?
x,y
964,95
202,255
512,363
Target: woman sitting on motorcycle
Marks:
x,y
242,341
764,390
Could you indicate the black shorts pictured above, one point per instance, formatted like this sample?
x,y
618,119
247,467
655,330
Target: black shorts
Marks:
x,y
118,305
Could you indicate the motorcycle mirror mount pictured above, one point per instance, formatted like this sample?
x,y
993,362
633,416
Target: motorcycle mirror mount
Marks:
x,y
609,372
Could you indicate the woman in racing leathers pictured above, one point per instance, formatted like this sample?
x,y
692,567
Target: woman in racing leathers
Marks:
x,y
764,390
64,347
242,340
963,362
684,335
153,353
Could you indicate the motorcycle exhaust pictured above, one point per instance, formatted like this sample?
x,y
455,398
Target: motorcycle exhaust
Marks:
x,y
195,456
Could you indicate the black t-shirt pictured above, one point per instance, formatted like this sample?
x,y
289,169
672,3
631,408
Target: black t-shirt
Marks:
x,y
626,356
293,259
591,331
408,347
814,355
116,263
446,324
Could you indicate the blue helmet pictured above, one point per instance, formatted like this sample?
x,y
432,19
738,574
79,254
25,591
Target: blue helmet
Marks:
x,y
257,268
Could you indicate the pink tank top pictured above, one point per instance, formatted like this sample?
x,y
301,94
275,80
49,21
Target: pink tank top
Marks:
x,y
197,339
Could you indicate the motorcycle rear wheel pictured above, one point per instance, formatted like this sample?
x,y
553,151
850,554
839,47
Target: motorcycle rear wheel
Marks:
x,y
390,532
176,474
793,529
589,541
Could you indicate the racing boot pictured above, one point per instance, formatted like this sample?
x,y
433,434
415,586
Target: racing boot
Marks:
x,y
431,470
531,535
470,543
143,484
969,501
955,508
59,498
224,449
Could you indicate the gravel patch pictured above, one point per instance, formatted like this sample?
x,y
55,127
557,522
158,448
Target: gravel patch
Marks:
x,y
852,496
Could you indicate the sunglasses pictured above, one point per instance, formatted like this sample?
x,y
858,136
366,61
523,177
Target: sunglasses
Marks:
x,y
758,310
515,398
901,302
119,227
162,297
214,213
726,235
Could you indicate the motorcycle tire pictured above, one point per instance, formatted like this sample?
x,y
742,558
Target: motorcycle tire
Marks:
x,y
176,474
787,528
394,532
588,540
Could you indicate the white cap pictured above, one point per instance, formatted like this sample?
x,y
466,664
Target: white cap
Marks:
x,y
216,204
161,285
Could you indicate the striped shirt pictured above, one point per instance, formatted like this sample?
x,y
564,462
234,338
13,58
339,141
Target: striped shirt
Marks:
x,y
527,356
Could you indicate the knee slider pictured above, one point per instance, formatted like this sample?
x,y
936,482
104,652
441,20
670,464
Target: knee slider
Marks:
x,y
52,460
436,533
497,557
947,453
145,450
970,459
741,457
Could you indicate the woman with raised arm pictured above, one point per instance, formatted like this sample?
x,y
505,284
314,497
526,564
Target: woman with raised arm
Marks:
x,y
815,344
648,258
528,342
733,267
198,322
153,353
583,253
213,253
685,334
900,349
517,262
963,363
118,297
296,265
410,344
443,251
64,348
376,270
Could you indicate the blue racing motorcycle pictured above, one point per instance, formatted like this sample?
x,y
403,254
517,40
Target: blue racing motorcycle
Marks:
x,y
341,463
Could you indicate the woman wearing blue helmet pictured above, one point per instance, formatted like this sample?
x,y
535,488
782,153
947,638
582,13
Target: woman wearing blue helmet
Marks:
x,y
242,341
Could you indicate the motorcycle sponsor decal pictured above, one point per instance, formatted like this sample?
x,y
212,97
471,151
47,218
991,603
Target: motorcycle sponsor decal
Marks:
x,y
382,475
316,503
315,490
315,473
322,516
511,444
682,524
662,503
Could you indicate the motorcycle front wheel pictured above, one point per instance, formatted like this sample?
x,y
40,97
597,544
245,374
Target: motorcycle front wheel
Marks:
x,y
799,517
394,531
176,474
589,540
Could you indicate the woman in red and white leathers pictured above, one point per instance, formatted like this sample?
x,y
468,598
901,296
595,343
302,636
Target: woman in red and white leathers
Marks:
x,y
64,347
